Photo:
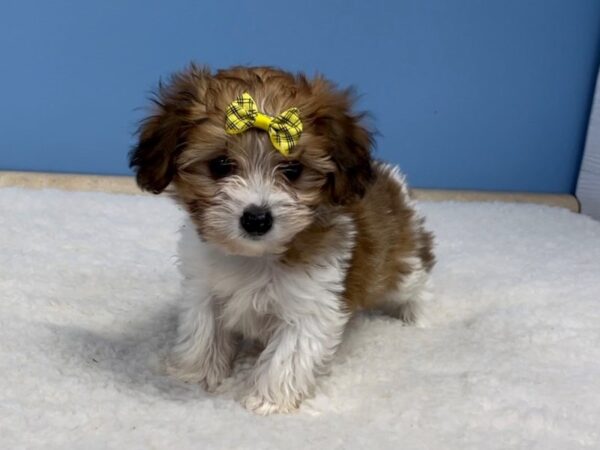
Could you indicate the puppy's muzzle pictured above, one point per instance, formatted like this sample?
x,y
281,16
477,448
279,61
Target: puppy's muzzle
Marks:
x,y
256,220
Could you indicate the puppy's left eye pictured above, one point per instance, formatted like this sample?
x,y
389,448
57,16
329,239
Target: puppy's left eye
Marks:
x,y
292,170
221,166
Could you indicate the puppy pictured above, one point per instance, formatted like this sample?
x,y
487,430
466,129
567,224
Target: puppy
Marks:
x,y
292,226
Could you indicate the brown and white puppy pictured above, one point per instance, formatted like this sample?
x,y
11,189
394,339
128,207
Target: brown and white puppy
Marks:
x,y
281,250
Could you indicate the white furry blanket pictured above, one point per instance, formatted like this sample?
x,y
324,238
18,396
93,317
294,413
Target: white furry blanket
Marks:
x,y
511,357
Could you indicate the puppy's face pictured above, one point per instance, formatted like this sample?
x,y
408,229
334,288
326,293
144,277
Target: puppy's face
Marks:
x,y
242,194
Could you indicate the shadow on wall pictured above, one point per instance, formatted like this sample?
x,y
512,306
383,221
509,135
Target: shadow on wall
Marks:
x,y
588,186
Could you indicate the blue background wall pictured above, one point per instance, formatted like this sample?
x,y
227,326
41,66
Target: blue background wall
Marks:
x,y
486,94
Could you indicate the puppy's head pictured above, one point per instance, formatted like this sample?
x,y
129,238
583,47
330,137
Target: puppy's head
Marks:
x,y
241,193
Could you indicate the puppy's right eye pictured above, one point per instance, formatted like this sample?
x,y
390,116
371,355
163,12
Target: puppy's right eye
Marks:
x,y
221,166
292,170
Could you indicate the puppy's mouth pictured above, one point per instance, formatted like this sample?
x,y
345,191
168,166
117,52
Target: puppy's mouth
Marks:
x,y
253,238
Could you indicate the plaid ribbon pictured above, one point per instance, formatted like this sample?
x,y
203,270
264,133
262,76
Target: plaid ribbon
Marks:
x,y
284,129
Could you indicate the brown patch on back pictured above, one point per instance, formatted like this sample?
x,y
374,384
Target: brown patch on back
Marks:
x,y
389,238
388,233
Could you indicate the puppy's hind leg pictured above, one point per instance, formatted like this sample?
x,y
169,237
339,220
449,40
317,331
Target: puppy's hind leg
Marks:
x,y
408,299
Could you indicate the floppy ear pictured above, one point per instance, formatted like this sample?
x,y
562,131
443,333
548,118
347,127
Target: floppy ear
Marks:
x,y
162,135
152,158
352,158
348,139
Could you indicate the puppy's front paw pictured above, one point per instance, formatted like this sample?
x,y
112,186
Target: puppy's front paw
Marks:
x,y
258,404
208,376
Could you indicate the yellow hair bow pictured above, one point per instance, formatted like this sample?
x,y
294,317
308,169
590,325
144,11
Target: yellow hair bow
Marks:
x,y
284,129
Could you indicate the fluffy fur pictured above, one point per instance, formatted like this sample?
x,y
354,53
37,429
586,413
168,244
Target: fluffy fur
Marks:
x,y
345,235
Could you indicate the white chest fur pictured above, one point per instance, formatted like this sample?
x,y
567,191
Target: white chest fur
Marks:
x,y
252,295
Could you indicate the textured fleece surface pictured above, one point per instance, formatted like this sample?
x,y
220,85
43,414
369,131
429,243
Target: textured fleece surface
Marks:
x,y
510,357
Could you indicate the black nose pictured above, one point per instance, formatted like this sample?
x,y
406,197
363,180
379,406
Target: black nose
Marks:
x,y
256,220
